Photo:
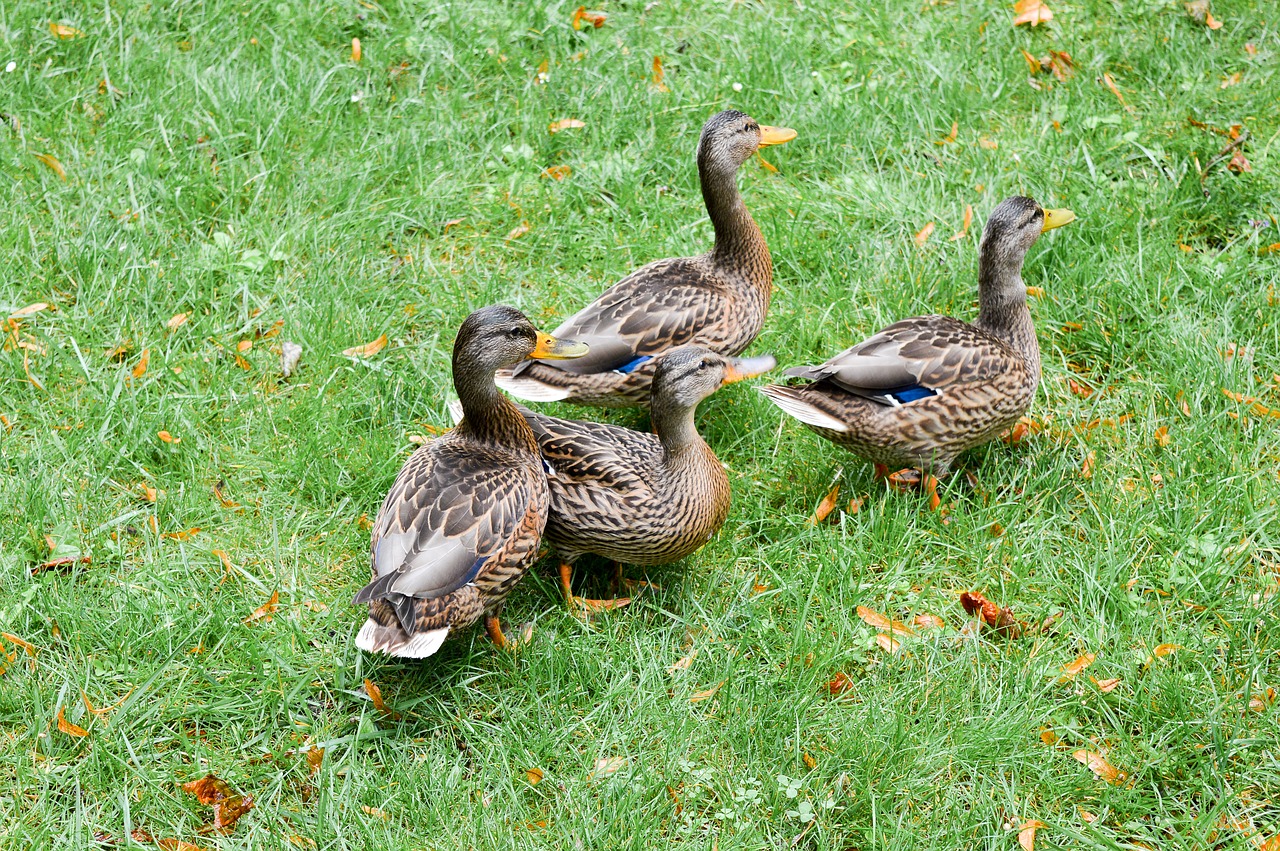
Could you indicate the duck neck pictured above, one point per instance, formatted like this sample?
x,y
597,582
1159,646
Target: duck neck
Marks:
x,y
487,414
676,430
1002,307
739,242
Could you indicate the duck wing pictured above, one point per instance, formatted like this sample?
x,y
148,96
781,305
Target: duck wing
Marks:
x,y
588,459
657,307
452,507
914,359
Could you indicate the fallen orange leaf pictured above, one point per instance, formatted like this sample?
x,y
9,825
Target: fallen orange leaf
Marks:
x,y
177,321
375,695
825,507
888,643
705,694
140,368
534,775
608,765
265,611
29,309
518,231
1106,686
1080,389
922,236
1098,765
839,684
222,497
658,74
177,845
875,619
1048,736
52,162
228,804
64,31
368,350
929,622
565,124
999,619
1086,469
25,645
950,137
244,346
183,535
315,756
1033,12
149,493
1027,834
1111,84
374,811
168,438
357,53
557,172
596,19
1161,436
683,663
809,762
1165,649
1077,665
65,726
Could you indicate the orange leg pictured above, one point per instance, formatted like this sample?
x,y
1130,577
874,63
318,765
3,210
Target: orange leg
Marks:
x,y
911,479
930,484
583,605
494,628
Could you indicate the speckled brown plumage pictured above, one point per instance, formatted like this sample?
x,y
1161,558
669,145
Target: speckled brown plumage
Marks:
x,y
641,498
925,389
718,300
464,518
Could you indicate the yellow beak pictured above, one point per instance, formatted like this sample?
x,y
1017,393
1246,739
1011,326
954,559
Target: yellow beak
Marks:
x,y
775,135
740,368
1056,219
549,348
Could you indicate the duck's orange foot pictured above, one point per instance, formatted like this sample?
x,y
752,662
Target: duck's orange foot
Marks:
x,y
494,628
912,479
581,606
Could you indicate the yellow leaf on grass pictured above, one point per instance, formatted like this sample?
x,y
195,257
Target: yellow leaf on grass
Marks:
x,y
64,31
168,438
581,15
1163,650
315,756
1027,834
1033,12
879,621
356,52
929,622
658,74
65,726
683,663
29,309
534,775
824,509
244,346
266,610
140,368
518,231
149,493
922,236
1161,436
1098,765
1111,84
950,137
1048,736
368,350
608,765
557,172
565,124
177,321
809,762
888,643
1075,666
374,811
1106,686
705,694
375,695
1086,469
25,645
52,162
183,535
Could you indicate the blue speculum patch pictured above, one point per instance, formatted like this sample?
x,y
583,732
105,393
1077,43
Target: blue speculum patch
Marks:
x,y
911,394
632,365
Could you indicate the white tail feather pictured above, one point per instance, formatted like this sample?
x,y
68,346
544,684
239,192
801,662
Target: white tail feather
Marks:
x,y
376,638
528,389
803,411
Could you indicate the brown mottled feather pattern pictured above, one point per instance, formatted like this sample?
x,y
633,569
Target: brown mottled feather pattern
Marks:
x,y
705,300
617,493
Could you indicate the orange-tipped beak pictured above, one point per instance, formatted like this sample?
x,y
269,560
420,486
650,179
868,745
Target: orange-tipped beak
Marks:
x,y
740,368
775,135
1056,219
549,348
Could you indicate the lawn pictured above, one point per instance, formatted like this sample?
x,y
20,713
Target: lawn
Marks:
x,y
190,185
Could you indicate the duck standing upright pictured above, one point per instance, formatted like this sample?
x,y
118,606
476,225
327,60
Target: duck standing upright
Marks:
x,y
927,388
635,497
717,300
464,518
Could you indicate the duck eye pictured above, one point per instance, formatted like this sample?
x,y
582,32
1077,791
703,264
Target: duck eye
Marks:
x,y
703,365
515,332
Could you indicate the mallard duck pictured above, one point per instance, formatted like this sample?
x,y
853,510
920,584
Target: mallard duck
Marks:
x,y
635,497
463,521
925,389
718,299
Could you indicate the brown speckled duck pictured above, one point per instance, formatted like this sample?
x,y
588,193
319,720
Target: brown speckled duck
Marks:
x,y
463,521
925,389
717,300
634,497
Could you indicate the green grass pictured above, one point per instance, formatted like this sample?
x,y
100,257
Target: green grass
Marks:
x,y
240,168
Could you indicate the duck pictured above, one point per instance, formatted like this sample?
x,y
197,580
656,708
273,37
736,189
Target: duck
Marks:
x,y
635,497
463,520
717,300
925,389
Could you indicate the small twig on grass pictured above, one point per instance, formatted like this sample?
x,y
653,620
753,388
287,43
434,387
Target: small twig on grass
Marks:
x,y
1224,154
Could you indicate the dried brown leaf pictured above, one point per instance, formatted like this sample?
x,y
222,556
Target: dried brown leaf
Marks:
x,y
1075,666
1086,469
25,645
950,137
706,693
608,765
518,231
266,610
65,726
173,323
228,804
140,368
221,496
1033,12
964,228
368,350
825,507
878,621
922,236
29,309
1098,765
183,535
929,622
375,695
374,811
64,31
315,756
565,124
659,74
581,16
1106,686
839,684
357,52
683,663
534,775
888,643
557,172
1027,834
52,162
